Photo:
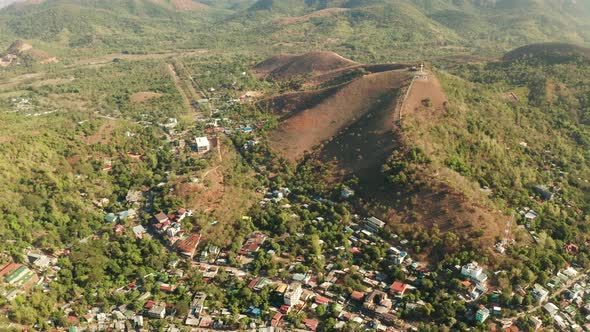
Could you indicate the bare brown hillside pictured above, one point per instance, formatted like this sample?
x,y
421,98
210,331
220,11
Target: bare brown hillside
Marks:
x,y
285,67
353,118
304,129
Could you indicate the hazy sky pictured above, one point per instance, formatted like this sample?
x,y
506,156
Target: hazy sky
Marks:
x,y
4,3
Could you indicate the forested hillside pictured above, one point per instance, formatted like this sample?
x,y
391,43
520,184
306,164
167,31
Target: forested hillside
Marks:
x,y
359,28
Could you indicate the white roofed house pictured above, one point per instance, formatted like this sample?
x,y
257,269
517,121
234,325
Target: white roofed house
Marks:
x,y
202,144
373,224
474,272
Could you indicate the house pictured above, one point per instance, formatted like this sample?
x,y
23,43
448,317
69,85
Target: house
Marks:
x,y
292,294
119,229
173,230
357,296
544,192
281,289
111,217
20,276
276,319
196,309
303,278
127,214
138,231
202,144
254,312
321,300
39,261
253,243
346,192
377,299
166,288
537,323
482,314
373,224
161,218
398,288
398,259
134,196
188,246
311,324
551,308
157,311
540,293
9,267
531,215
183,213
474,272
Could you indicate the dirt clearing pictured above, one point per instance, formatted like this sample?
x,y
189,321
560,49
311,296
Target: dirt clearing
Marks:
x,y
140,97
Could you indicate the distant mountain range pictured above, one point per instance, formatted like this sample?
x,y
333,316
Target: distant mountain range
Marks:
x,y
349,26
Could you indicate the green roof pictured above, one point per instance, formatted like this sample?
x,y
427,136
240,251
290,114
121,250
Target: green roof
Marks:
x,y
110,217
16,274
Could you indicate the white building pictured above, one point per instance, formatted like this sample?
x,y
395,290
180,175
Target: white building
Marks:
x,y
551,308
373,224
540,293
293,294
203,144
474,272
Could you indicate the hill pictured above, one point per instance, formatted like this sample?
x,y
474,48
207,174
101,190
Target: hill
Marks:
x,y
354,126
549,52
20,52
285,67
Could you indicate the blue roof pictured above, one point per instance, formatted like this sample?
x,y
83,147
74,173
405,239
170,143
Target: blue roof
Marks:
x,y
254,311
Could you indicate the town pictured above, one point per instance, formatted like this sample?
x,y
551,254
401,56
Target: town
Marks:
x,y
331,272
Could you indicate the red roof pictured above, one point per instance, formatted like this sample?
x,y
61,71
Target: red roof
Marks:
x,y
276,319
8,268
466,283
149,304
253,283
321,300
206,322
285,308
357,295
355,250
189,245
165,288
398,288
312,324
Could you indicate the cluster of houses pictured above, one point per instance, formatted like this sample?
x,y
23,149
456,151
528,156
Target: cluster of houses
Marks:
x,y
572,303
38,270
169,227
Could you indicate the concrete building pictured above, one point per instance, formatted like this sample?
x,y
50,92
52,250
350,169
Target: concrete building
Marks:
x,y
202,144
293,294
540,293
474,272
373,224
482,314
